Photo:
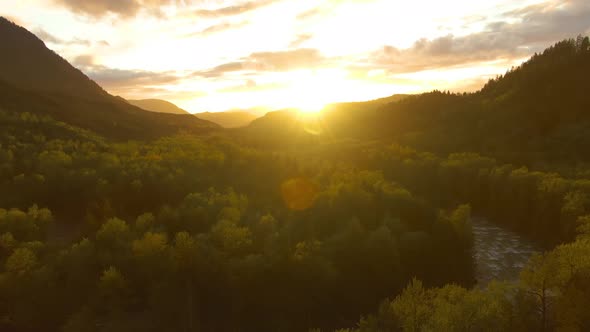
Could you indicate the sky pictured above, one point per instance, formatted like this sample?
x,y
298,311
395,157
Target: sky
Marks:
x,y
216,55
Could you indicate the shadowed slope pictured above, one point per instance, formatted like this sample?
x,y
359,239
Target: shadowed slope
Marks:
x,y
35,79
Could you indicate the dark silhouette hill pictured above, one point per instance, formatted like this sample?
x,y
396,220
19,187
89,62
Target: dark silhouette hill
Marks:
x,y
286,116
229,119
158,105
28,64
538,111
35,79
284,121
364,105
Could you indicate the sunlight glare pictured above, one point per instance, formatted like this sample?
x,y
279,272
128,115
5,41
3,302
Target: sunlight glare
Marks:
x,y
310,90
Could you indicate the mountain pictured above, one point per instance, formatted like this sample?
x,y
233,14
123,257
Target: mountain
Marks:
x,y
35,79
537,113
291,127
229,119
158,105
364,105
28,64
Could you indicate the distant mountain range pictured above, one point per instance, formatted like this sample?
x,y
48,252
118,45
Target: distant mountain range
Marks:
x,y
158,105
229,119
370,104
36,79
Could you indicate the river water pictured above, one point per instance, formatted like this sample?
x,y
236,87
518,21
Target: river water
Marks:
x,y
499,253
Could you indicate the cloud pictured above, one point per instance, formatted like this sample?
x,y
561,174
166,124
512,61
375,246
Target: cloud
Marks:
x,y
300,39
220,27
270,62
101,7
286,60
83,61
221,69
110,78
546,22
252,86
234,9
141,92
47,37
130,8
534,28
51,39
123,8
310,13
324,8
448,51
135,84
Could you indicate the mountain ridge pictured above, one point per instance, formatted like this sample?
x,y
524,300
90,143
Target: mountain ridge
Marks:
x,y
157,105
19,66
35,79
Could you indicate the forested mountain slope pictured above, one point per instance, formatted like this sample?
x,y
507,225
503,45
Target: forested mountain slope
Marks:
x,y
538,111
35,79
27,63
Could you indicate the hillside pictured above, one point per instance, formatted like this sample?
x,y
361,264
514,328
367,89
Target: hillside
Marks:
x,y
286,127
286,120
537,112
36,79
157,105
229,119
30,65
364,105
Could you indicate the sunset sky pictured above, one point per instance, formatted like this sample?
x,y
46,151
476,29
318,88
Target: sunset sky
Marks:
x,y
210,55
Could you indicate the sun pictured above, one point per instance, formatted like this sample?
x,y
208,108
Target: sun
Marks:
x,y
310,90
309,106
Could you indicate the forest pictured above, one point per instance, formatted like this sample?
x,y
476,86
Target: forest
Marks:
x,y
361,224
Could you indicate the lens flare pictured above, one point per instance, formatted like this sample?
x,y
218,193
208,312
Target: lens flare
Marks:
x,y
299,193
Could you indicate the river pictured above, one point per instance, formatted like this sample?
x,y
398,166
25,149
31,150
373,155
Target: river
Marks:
x,y
499,253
